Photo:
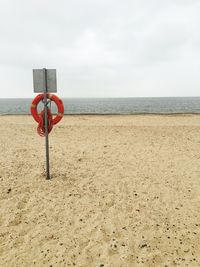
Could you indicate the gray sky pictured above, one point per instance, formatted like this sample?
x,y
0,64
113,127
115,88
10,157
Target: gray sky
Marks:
x,y
102,48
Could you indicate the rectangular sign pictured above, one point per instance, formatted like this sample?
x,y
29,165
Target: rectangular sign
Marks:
x,y
40,83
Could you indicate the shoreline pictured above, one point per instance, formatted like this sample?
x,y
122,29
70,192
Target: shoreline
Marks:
x,y
113,114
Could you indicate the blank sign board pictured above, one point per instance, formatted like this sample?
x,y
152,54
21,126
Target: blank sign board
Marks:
x,y
40,82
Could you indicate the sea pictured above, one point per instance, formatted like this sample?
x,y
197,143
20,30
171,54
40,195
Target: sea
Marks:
x,y
135,105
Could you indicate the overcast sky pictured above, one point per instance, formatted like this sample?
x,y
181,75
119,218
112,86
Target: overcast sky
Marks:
x,y
101,48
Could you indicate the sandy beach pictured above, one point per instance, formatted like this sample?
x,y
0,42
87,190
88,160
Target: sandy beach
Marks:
x,y
125,191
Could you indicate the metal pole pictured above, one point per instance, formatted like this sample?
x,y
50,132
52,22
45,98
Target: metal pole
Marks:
x,y
46,126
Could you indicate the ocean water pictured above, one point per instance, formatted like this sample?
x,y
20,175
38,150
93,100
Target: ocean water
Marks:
x,y
110,105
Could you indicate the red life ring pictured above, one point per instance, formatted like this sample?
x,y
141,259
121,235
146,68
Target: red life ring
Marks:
x,y
52,97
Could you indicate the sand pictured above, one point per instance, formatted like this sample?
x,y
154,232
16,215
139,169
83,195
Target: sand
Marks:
x,y
125,191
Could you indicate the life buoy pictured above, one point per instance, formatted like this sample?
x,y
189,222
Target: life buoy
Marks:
x,y
53,98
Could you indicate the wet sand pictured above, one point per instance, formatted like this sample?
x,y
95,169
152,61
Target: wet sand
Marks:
x,y
125,191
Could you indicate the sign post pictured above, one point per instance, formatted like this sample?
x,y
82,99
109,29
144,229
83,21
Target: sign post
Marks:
x,y
44,81
46,124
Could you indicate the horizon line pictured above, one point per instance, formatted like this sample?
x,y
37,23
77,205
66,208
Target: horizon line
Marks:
x,y
102,97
